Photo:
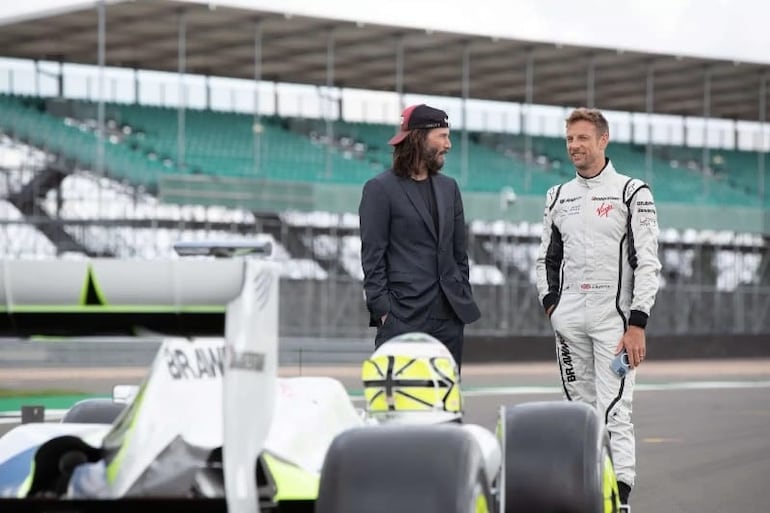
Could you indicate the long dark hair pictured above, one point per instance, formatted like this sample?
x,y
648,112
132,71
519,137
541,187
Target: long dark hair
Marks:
x,y
407,156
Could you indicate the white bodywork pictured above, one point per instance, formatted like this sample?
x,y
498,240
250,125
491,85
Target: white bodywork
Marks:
x,y
309,413
200,393
29,437
490,449
166,409
185,401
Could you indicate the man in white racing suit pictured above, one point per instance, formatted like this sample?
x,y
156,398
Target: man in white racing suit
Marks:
x,y
597,277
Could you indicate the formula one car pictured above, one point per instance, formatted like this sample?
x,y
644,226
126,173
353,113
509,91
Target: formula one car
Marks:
x,y
212,427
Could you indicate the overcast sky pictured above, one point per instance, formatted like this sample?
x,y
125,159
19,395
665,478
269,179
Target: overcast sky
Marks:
x,y
726,29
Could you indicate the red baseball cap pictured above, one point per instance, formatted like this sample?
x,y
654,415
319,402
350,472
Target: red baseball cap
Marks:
x,y
419,116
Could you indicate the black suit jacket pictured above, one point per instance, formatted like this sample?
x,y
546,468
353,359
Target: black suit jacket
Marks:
x,y
405,261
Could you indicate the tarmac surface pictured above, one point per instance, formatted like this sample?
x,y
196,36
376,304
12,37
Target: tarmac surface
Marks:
x,y
702,427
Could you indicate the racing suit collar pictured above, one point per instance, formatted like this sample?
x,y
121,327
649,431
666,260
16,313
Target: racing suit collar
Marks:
x,y
607,172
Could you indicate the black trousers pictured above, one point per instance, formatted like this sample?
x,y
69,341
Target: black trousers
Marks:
x,y
449,331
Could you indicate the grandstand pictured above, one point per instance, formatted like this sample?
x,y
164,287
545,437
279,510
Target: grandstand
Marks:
x,y
142,149
84,176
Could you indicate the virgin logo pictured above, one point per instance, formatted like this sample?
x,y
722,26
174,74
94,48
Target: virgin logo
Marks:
x,y
604,209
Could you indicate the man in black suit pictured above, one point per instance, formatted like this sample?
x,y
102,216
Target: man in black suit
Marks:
x,y
413,247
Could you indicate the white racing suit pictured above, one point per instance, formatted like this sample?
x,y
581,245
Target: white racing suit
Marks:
x,y
598,264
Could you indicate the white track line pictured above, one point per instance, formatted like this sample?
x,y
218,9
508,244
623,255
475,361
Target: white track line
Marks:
x,y
688,385
13,417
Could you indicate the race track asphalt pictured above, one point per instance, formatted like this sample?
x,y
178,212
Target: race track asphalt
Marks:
x,y
702,427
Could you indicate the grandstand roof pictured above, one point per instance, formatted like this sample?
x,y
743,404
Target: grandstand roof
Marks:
x,y
220,42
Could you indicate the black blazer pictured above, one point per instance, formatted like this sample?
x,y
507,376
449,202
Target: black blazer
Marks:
x,y
404,260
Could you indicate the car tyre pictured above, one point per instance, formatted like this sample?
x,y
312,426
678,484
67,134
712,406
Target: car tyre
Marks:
x,y
556,457
94,411
409,469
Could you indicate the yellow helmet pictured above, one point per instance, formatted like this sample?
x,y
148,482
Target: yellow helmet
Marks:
x,y
413,379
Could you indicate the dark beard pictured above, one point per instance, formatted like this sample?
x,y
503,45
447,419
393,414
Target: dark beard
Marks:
x,y
431,159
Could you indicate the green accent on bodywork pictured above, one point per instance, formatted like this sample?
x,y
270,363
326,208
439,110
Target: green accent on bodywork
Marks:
x,y
21,493
91,293
291,482
43,309
610,487
133,412
481,504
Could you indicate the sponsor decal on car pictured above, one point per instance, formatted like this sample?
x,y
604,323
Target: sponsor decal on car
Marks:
x,y
195,363
247,361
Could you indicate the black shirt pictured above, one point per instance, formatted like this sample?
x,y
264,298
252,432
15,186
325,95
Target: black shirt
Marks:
x,y
429,196
441,307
